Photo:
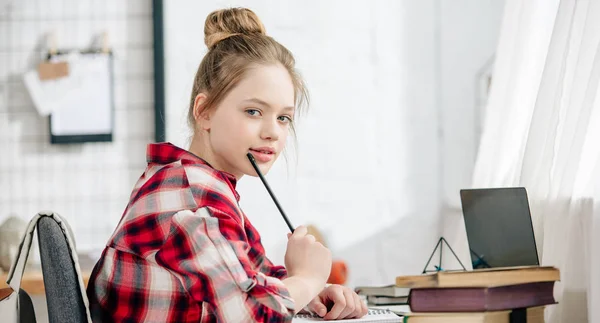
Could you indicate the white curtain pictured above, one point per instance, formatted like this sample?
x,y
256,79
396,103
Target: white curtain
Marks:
x,y
542,131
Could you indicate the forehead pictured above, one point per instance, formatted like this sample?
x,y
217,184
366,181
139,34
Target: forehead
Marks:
x,y
269,83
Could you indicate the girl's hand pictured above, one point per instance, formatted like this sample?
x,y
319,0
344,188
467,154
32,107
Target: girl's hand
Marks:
x,y
338,302
307,258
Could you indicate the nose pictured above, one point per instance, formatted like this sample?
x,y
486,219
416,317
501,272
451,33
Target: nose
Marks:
x,y
270,130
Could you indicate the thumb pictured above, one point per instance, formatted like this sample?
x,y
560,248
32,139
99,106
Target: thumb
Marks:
x,y
317,307
289,235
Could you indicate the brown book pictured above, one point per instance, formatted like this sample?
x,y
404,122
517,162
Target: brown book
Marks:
x,y
534,315
481,277
481,299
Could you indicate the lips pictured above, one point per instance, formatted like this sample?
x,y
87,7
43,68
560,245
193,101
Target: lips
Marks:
x,y
264,150
263,154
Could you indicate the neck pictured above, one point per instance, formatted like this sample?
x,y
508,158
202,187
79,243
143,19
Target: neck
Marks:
x,y
200,146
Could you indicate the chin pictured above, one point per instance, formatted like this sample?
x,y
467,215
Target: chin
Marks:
x,y
264,169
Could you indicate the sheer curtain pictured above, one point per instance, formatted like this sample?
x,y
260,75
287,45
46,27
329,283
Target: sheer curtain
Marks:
x,y
542,131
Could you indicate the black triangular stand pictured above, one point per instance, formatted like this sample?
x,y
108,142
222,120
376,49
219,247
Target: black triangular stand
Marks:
x,y
439,267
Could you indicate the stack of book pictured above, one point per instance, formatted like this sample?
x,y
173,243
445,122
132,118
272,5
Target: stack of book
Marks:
x,y
383,295
499,295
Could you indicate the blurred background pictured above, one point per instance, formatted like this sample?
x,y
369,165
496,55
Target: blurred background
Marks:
x,y
399,91
396,87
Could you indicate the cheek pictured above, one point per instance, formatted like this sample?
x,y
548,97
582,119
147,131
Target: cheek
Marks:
x,y
231,134
285,134
241,133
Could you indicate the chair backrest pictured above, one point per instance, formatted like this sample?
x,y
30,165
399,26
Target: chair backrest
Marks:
x,y
26,310
63,293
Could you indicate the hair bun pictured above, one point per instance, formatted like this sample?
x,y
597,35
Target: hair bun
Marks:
x,y
224,23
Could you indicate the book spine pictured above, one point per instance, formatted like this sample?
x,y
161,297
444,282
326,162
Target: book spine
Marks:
x,y
447,300
481,299
521,296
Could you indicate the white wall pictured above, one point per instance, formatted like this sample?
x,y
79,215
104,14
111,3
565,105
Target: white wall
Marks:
x,y
469,35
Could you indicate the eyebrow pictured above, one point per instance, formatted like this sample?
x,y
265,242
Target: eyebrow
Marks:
x,y
261,102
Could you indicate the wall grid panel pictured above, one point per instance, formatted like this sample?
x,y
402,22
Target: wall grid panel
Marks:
x,y
88,184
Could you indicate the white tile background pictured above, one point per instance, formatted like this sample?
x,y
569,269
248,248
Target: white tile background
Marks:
x,y
88,184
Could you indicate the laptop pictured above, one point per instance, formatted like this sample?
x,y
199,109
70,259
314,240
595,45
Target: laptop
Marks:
x,y
499,228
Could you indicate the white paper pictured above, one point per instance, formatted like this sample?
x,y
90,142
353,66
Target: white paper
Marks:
x,y
48,95
87,109
374,315
80,103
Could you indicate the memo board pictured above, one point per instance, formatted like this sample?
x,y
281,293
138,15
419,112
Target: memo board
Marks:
x,y
88,115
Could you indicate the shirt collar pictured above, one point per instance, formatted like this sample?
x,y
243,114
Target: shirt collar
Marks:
x,y
166,153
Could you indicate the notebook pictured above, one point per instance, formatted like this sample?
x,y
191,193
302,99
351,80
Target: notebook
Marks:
x,y
374,315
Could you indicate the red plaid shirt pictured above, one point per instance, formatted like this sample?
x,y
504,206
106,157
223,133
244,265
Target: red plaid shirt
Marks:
x,y
185,252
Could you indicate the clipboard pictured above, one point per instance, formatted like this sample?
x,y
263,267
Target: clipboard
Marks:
x,y
88,113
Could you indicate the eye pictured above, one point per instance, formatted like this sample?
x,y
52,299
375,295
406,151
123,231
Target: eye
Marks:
x,y
285,119
253,112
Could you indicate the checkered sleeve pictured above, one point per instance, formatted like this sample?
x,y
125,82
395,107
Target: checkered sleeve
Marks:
x,y
260,260
207,251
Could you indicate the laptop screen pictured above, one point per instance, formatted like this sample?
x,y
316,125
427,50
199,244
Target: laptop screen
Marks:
x,y
499,228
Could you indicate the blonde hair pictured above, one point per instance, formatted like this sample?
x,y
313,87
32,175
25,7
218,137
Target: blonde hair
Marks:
x,y
236,39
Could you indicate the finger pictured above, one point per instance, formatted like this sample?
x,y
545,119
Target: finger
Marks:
x,y
300,231
350,304
365,308
358,306
289,235
316,306
336,295
311,238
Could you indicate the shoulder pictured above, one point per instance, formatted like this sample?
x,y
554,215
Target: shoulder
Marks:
x,y
169,187
205,176
186,185
211,188
180,174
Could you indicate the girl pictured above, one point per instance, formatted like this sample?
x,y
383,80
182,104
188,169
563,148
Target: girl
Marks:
x,y
184,251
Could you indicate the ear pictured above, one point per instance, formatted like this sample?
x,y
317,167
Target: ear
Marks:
x,y
202,117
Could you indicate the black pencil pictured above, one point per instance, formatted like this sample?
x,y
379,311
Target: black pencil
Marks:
x,y
253,162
